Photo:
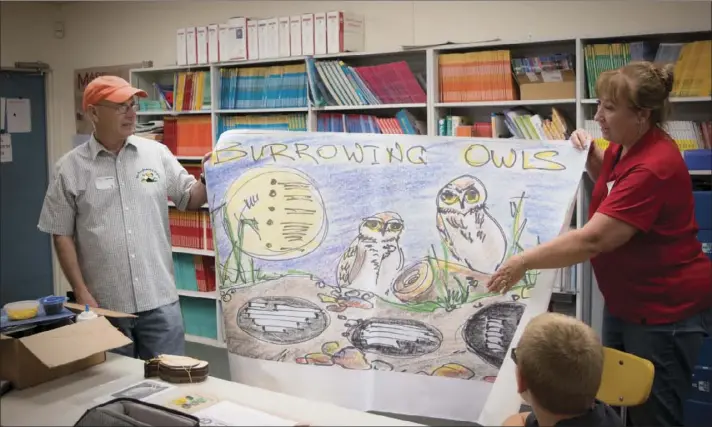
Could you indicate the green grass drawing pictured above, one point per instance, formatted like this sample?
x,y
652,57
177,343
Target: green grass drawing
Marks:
x,y
244,275
518,225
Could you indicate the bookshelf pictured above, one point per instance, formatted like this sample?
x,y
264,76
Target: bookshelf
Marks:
x,y
578,293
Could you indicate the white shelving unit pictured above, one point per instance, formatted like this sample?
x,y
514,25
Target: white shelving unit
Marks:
x,y
202,252
580,108
197,294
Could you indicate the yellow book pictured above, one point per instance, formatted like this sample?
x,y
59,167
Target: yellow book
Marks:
x,y
681,67
180,92
701,84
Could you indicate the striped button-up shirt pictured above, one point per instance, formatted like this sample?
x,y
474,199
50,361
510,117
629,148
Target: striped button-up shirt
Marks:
x,y
115,206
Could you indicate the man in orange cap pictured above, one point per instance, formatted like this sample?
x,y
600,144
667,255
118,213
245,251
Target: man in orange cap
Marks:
x,y
107,211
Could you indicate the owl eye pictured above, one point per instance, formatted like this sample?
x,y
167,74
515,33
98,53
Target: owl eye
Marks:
x,y
449,197
395,226
374,225
472,196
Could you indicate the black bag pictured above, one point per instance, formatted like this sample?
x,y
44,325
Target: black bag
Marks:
x,y
134,413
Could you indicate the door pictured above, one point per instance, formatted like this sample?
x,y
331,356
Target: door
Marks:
x,y
25,252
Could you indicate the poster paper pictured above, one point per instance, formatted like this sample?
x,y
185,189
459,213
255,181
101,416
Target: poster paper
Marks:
x,y
5,148
352,267
19,118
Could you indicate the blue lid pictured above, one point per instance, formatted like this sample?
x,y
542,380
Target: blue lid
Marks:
x,y
53,299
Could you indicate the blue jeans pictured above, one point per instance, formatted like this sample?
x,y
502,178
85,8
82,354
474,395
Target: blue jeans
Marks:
x,y
153,332
673,349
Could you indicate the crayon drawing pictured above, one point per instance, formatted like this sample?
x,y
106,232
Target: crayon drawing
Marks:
x,y
344,252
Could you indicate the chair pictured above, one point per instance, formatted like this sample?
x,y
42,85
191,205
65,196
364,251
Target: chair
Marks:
x,y
626,381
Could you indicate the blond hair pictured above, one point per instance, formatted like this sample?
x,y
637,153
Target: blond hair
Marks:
x,y
642,85
561,361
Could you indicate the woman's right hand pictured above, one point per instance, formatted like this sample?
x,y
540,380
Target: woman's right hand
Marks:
x,y
581,140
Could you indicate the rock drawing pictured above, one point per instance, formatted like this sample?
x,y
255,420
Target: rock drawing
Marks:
x,y
395,337
282,320
489,332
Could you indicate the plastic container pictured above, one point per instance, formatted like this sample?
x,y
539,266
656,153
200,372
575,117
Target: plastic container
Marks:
x,y
53,304
87,314
698,159
22,310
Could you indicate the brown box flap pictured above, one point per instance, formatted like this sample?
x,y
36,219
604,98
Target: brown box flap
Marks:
x,y
74,342
78,308
556,76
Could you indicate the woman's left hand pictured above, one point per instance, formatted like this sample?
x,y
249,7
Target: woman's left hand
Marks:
x,y
507,275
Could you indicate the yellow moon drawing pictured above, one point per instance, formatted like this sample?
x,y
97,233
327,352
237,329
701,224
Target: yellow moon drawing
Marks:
x,y
286,209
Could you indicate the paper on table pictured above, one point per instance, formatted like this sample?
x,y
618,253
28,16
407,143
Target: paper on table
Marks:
x,y
5,148
18,115
226,413
140,391
189,400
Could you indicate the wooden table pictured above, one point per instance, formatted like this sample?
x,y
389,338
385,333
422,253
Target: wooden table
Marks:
x,y
64,400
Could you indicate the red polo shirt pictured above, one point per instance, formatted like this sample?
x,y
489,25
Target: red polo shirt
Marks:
x,y
661,274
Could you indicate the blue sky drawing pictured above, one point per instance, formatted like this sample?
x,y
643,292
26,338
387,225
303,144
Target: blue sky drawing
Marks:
x,y
352,191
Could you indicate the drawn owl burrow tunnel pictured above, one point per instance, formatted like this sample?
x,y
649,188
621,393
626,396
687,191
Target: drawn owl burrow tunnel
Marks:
x,y
471,234
374,258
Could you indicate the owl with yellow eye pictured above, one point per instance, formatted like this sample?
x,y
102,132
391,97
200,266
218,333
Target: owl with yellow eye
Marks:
x,y
374,258
473,236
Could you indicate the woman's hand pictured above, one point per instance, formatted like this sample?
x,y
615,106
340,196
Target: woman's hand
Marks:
x,y
581,140
507,275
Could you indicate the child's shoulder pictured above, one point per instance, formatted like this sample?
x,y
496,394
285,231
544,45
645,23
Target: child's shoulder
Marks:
x,y
600,415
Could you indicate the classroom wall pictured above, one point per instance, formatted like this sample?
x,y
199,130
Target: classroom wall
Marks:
x,y
110,32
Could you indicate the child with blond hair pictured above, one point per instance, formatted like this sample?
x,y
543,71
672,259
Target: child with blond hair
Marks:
x,y
559,364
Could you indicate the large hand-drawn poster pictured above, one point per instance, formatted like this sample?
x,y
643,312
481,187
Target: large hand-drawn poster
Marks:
x,y
352,267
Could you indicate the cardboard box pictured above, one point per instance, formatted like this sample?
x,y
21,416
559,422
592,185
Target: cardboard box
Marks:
x,y
547,85
39,358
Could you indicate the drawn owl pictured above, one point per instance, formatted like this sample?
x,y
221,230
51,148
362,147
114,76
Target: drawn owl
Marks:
x,y
374,258
469,231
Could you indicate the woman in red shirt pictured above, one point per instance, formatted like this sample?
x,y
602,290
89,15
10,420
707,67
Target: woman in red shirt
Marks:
x,y
640,238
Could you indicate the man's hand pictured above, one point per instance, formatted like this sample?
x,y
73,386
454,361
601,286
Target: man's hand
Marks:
x,y
199,193
206,158
84,297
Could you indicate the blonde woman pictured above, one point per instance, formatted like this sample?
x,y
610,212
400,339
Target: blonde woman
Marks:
x,y
640,238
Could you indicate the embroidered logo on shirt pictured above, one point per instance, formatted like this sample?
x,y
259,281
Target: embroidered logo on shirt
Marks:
x,y
148,175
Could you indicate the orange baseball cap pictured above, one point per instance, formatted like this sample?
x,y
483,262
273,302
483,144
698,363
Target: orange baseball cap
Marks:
x,y
110,88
